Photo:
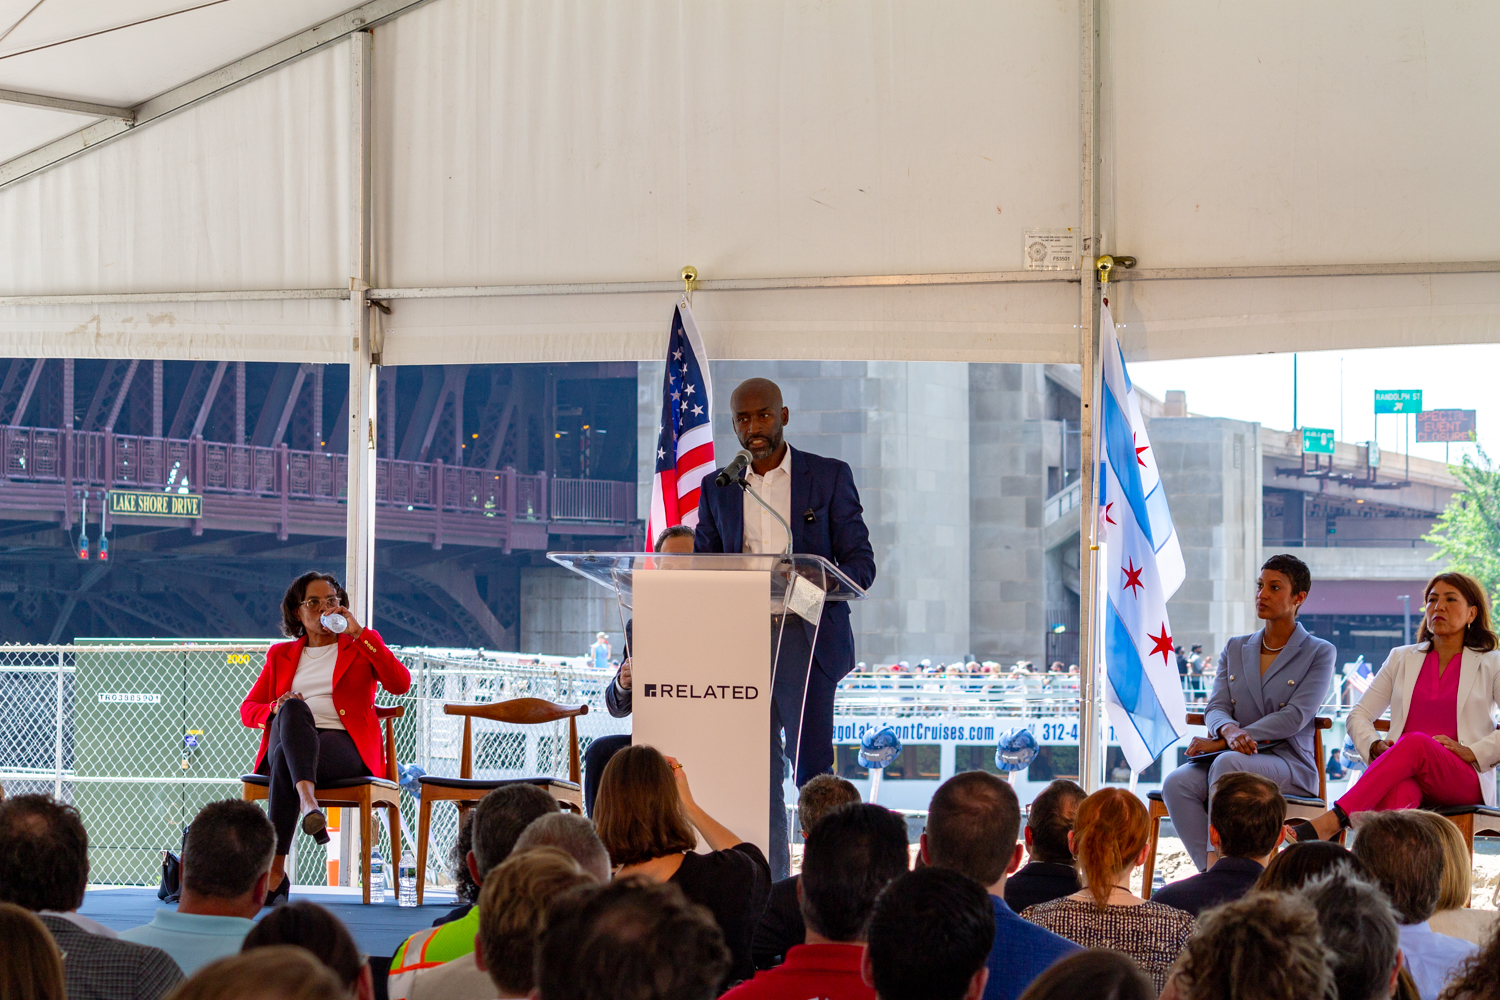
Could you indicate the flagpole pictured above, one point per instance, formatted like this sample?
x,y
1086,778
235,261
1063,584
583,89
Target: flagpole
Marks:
x,y
1090,697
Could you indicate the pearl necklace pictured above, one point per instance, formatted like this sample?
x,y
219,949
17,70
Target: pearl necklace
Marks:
x,y
1272,649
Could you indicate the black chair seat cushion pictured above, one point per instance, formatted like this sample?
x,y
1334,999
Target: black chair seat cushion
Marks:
x,y
1155,796
1489,812
490,784
264,782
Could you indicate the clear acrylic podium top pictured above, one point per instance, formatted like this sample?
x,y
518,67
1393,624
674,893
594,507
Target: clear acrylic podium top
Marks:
x,y
799,582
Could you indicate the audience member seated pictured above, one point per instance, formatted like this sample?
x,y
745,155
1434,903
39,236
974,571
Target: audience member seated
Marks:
x,y
1479,977
1098,974
1298,864
571,834
929,938
1109,841
1453,915
781,925
1360,934
275,972
633,939
1245,816
973,822
31,967
646,816
1266,946
1049,873
310,926
225,865
44,868
857,850
511,907
1404,856
497,823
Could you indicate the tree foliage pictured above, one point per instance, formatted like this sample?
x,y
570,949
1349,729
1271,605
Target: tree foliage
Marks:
x,y
1467,533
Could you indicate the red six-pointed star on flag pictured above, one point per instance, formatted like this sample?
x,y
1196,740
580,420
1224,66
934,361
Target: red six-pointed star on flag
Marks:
x,y
1144,447
1133,577
1163,645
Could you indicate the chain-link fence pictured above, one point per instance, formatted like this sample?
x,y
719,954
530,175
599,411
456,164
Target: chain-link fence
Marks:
x,y
140,735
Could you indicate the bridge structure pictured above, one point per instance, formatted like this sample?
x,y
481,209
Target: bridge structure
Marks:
x,y
481,469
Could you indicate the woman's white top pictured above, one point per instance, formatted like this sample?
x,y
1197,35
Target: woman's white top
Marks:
x,y
314,680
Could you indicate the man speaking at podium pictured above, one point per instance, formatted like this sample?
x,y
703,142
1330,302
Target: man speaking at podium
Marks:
x,y
817,498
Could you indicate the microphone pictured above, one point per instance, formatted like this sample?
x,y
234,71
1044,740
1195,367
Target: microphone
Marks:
x,y
732,471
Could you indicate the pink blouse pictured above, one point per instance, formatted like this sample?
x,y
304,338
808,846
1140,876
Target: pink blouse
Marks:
x,y
1434,699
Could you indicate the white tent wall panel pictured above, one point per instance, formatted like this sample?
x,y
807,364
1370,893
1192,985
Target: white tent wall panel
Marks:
x,y
1286,132
26,128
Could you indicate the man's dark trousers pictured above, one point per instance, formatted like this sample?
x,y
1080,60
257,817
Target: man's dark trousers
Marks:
x,y
814,735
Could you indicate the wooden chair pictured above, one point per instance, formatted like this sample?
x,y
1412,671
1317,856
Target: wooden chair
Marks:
x,y
466,790
366,794
1472,821
1297,806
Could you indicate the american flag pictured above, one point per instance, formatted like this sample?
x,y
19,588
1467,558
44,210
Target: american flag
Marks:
x,y
1360,675
685,442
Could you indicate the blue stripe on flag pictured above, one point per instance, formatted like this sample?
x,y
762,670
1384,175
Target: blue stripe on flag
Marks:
x,y
1119,445
1127,675
1161,516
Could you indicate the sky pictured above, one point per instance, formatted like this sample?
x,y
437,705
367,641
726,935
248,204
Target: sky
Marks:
x,y
1336,389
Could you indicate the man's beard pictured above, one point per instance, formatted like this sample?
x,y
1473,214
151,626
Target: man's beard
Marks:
x,y
764,452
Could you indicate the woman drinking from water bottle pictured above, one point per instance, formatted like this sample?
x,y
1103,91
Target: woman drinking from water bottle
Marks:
x,y
314,703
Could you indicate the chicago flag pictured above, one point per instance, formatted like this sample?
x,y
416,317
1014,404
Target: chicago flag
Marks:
x,y
685,437
1140,566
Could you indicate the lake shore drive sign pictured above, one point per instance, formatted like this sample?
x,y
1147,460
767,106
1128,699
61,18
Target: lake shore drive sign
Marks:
x,y
143,502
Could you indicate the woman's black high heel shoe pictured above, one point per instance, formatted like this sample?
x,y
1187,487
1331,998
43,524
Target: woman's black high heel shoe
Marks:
x,y
315,825
281,892
1304,831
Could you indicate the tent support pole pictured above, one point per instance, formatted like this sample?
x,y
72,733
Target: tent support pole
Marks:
x,y
1090,692
359,572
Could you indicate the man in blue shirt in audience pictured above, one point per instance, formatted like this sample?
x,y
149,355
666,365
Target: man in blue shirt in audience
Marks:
x,y
973,824
1245,816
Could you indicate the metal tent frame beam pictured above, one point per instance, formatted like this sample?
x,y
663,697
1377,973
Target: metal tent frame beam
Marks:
x,y
67,104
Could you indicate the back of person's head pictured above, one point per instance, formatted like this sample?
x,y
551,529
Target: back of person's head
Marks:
x,y
30,965
1359,931
629,940
1050,819
276,972
500,818
1264,946
857,851
44,854
571,834
1475,978
1108,834
229,847
512,905
314,929
464,886
972,825
1248,810
1098,974
1400,853
929,935
1458,873
822,794
1300,863
638,811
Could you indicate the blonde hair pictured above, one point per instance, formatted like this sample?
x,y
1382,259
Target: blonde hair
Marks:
x,y
1109,831
275,972
511,906
30,965
1264,946
1457,882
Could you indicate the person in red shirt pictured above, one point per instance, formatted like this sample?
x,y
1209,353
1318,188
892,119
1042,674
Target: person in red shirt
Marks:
x,y
852,854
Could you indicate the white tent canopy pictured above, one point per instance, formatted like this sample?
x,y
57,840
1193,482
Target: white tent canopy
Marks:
x,y
597,147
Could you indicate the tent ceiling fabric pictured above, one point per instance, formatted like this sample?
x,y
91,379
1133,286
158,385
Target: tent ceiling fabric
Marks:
x,y
617,140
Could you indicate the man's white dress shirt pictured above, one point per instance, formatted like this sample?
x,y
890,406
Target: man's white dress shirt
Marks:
x,y
762,532
1432,958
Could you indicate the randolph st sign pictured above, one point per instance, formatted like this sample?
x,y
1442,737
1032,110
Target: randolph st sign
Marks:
x,y
128,502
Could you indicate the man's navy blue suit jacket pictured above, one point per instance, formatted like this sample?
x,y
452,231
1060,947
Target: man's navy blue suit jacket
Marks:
x,y
835,530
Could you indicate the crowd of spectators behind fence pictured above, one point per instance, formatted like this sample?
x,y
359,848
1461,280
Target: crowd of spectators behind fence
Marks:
x,y
624,907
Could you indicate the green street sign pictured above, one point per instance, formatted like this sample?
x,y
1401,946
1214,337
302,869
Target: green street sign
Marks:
x,y
1398,400
1317,441
157,504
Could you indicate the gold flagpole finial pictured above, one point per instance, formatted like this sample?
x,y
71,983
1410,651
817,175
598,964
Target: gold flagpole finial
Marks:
x,y
1107,263
689,275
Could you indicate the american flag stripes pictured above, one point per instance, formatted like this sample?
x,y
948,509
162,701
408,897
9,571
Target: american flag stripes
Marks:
x,y
685,439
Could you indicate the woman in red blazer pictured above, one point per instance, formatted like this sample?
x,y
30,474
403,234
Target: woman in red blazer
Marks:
x,y
314,703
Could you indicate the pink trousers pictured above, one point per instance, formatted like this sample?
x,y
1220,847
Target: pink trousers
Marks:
x,y
1416,771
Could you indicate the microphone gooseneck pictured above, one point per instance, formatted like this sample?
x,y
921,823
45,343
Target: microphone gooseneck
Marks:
x,y
731,471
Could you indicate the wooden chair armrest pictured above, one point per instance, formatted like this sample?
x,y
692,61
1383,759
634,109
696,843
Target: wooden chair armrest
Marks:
x,y
1383,725
1195,718
389,711
1323,722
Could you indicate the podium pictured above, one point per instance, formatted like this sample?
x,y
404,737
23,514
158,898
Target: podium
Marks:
x,y
712,633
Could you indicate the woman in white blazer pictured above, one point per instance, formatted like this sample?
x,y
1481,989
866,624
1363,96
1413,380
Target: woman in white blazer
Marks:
x,y
1443,745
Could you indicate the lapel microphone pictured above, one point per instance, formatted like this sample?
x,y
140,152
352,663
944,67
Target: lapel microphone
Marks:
x,y
809,517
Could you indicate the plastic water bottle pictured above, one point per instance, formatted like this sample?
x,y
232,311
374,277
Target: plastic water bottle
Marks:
x,y
406,880
377,878
334,623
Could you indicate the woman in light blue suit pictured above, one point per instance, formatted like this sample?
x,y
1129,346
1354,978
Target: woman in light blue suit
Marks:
x,y
1262,710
